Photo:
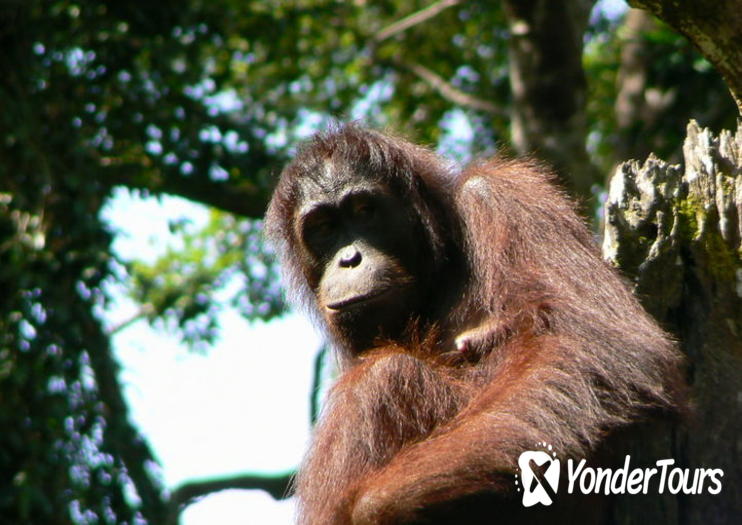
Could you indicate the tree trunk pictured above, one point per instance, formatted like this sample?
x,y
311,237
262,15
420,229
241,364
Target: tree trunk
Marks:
x,y
631,106
549,88
675,231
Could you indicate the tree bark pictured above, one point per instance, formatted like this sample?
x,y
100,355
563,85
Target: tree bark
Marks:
x,y
714,27
675,231
549,87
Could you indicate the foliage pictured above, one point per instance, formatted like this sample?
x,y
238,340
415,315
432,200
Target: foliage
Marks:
x,y
223,263
679,84
59,449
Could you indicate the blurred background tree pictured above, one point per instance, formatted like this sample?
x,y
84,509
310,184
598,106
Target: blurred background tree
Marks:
x,y
206,100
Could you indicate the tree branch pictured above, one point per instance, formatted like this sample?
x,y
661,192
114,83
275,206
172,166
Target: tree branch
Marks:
x,y
143,312
315,400
449,92
435,81
278,486
415,18
241,198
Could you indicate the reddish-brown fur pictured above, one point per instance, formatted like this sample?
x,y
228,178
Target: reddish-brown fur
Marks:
x,y
556,347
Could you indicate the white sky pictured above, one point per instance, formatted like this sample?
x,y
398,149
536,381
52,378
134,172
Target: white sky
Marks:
x,y
243,406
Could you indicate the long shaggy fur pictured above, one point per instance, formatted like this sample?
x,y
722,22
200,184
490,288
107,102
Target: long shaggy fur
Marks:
x,y
565,354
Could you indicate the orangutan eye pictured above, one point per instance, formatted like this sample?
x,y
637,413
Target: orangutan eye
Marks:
x,y
364,208
318,229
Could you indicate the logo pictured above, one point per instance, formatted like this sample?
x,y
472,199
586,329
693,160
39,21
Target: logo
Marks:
x,y
539,474
540,469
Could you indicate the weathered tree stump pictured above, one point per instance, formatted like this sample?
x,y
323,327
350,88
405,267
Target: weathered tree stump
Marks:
x,y
675,231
